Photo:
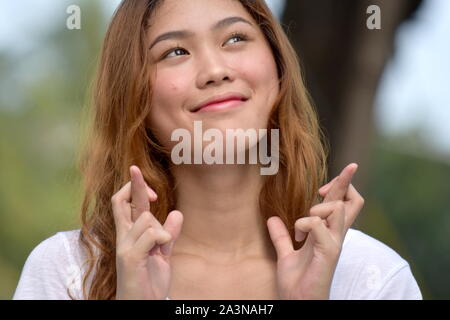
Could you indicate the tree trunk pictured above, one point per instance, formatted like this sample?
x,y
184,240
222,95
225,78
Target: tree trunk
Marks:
x,y
343,60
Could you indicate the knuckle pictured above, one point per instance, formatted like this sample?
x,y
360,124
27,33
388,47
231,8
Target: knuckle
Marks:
x,y
339,204
361,200
316,220
167,235
299,222
145,218
150,232
280,238
121,253
126,260
314,211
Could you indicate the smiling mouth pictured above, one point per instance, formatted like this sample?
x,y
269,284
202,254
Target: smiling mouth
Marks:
x,y
221,105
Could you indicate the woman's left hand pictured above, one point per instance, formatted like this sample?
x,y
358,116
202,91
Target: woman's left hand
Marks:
x,y
307,273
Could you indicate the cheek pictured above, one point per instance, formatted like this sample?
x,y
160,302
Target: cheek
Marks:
x,y
258,68
168,95
260,72
167,91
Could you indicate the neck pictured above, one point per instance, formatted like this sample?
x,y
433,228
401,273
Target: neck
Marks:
x,y
222,221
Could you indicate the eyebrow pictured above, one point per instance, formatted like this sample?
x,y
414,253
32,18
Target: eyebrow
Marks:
x,y
182,34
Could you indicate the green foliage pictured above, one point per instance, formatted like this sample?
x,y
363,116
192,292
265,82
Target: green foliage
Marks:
x,y
39,136
408,208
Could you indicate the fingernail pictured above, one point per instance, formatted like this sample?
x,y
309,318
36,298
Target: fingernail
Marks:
x,y
299,236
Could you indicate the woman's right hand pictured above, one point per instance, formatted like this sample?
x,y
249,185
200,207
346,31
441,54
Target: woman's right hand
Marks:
x,y
143,246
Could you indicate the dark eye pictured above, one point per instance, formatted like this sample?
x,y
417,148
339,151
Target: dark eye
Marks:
x,y
238,35
235,35
177,49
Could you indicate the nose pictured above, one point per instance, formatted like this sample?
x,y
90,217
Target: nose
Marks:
x,y
213,70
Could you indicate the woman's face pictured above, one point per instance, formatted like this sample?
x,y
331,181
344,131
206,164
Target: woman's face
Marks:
x,y
212,59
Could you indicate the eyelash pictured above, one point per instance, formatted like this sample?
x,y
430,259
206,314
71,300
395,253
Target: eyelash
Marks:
x,y
241,35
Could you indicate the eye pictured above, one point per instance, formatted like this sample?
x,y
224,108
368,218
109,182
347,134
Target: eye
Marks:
x,y
238,35
234,35
176,49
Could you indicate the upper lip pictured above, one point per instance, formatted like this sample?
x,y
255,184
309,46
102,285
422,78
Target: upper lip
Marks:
x,y
220,98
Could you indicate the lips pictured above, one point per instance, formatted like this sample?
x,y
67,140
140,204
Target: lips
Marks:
x,y
220,99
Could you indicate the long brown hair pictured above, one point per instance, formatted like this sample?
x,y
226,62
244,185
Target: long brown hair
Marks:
x,y
117,137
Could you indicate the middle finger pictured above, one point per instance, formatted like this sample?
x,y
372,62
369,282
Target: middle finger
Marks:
x,y
354,203
340,186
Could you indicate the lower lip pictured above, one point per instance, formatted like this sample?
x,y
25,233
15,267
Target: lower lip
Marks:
x,y
220,106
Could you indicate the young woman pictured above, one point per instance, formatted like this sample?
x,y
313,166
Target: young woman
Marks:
x,y
152,229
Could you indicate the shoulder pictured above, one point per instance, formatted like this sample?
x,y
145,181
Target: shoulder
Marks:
x,y
53,266
59,248
364,248
370,269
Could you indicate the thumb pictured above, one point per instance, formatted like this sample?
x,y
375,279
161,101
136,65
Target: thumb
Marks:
x,y
173,224
280,236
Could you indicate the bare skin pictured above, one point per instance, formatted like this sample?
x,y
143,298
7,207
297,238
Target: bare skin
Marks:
x,y
216,245
148,267
195,279
223,231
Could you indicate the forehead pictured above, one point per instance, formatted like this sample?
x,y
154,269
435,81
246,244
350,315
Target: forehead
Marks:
x,y
193,14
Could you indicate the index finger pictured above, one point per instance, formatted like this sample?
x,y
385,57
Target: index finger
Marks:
x,y
139,195
340,186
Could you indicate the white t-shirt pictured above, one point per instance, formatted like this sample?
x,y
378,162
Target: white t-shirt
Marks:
x,y
367,269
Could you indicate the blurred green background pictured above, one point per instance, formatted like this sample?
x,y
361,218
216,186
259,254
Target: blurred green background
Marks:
x,y
43,87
